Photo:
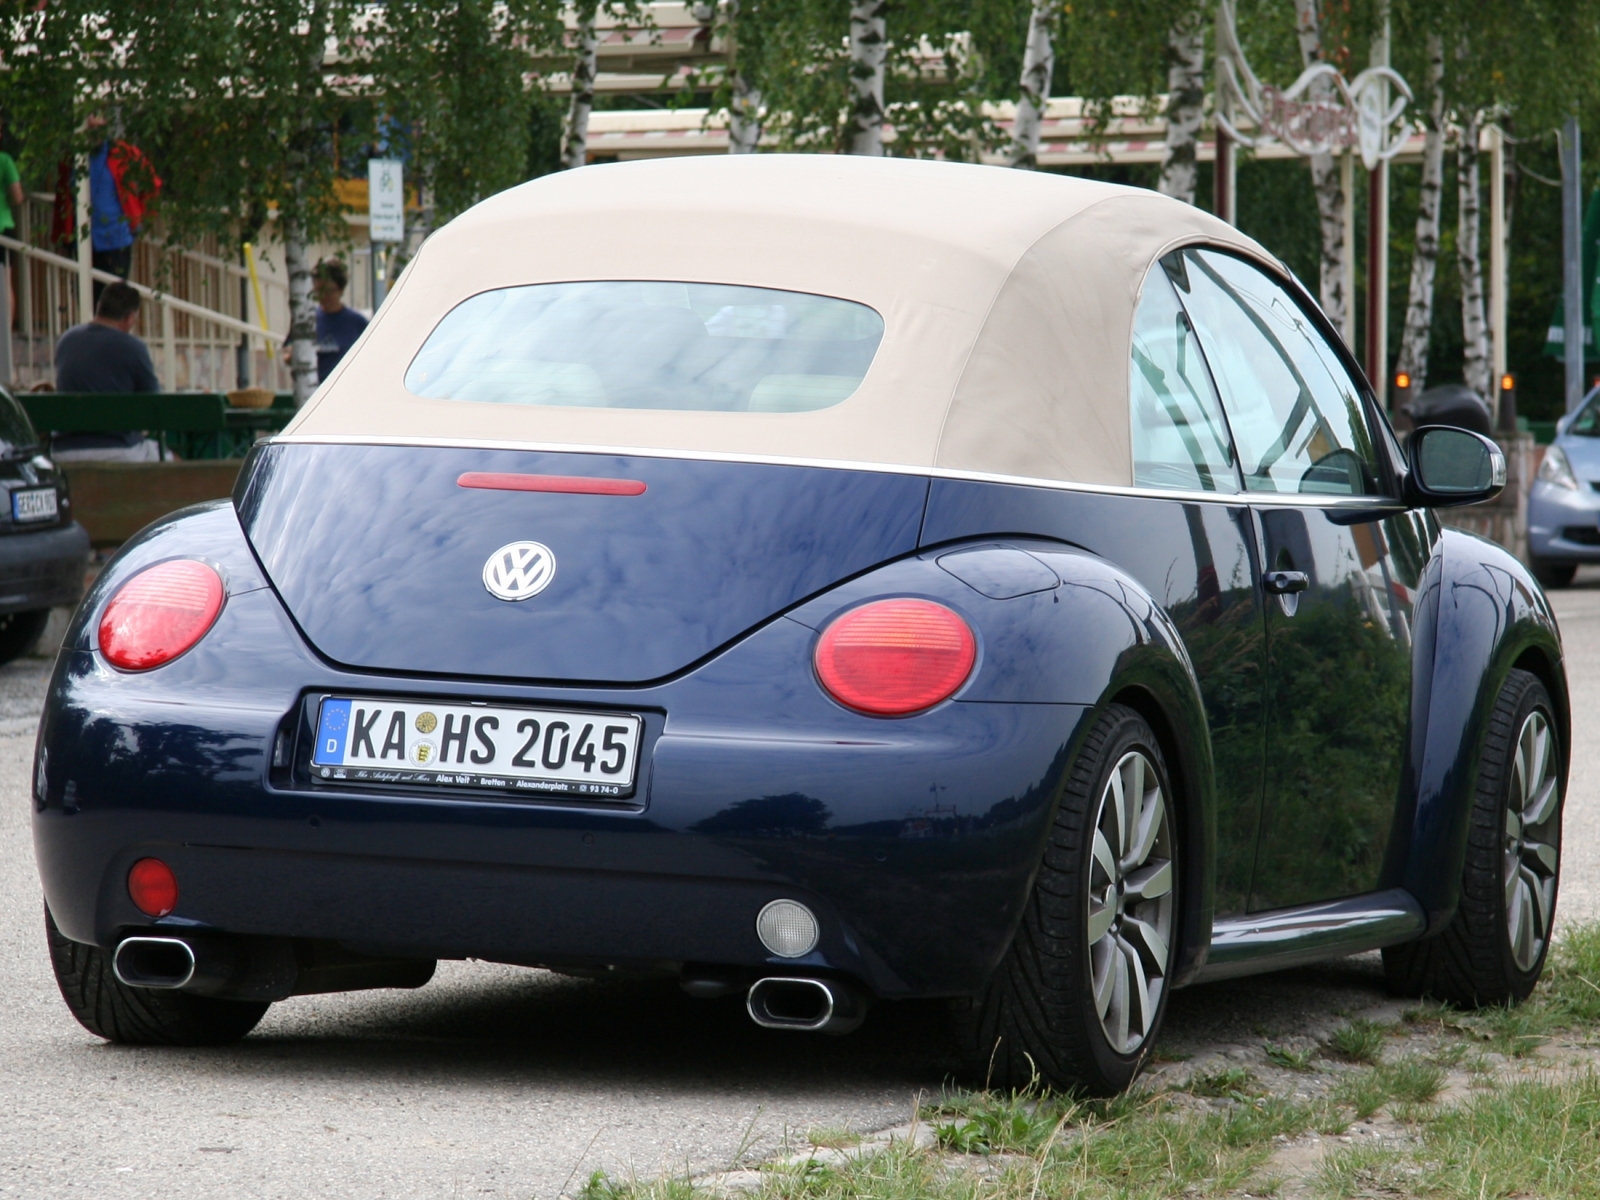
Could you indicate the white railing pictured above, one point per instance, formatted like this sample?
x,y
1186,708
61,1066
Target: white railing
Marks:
x,y
199,317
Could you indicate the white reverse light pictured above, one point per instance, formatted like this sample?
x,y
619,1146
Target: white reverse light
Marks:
x,y
787,928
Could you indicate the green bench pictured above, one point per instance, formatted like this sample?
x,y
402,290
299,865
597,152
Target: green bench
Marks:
x,y
114,500
194,425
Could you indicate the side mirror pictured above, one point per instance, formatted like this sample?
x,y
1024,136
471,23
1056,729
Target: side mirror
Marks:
x,y
1451,467
1563,422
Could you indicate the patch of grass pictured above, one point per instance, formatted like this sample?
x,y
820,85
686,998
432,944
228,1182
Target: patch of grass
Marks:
x,y
1364,1171
1515,1032
1408,1081
828,1138
602,1187
991,1124
1526,1139
1226,1083
1360,1041
1289,1059
1412,1080
1572,974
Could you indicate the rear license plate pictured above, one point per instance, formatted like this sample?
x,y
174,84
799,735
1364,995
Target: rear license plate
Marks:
x,y
531,751
33,504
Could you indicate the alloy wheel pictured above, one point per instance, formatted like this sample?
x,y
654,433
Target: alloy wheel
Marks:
x,y
1130,910
1532,834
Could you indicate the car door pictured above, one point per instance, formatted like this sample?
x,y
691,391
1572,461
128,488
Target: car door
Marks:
x,y
1207,574
1341,569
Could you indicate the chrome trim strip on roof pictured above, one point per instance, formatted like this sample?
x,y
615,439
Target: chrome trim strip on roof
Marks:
x,y
833,464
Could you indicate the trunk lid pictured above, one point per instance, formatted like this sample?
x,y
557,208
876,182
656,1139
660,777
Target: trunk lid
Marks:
x,y
380,554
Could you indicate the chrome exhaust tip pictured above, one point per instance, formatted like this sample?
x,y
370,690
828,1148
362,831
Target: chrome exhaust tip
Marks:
x,y
808,1005
154,962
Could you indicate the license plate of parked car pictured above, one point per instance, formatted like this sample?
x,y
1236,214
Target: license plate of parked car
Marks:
x,y
530,751
33,504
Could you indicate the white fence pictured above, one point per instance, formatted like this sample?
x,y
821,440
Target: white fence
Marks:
x,y
200,316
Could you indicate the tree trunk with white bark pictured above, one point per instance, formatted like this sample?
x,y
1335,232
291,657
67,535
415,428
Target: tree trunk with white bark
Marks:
x,y
1324,177
1186,98
744,101
575,137
1469,258
1413,359
302,312
869,49
1038,64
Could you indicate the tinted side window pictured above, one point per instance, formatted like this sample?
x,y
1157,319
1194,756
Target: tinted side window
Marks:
x,y
1296,415
1180,439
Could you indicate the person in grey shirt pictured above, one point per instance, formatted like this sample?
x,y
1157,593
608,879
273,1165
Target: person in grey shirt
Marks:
x,y
104,356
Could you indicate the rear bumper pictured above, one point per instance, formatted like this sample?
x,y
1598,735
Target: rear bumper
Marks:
x,y
42,568
913,841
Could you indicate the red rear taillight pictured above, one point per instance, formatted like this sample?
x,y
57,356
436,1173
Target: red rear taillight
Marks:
x,y
152,887
895,657
160,613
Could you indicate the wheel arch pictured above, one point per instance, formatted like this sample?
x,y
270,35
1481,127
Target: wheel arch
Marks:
x,y
1493,618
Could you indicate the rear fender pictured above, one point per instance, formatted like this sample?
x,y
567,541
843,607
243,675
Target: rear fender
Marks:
x,y
1095,638
1492,617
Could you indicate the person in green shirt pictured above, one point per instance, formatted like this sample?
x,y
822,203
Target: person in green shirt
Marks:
x,y
10,206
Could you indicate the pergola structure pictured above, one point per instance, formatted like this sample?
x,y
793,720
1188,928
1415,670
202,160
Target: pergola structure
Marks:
x,y
1135,132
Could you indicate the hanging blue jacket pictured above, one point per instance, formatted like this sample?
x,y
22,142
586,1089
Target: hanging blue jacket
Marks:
x,y
108,228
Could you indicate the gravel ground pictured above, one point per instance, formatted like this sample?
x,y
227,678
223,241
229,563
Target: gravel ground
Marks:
x,y
498,1081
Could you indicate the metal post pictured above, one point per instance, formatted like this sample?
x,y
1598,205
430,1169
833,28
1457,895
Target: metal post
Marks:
x,y
169,362
1498,277
1347,184
1572,260
1378,247
85,250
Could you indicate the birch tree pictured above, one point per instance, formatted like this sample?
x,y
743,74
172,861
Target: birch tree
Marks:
x,y
869,48
1324,175
1474,327
1413,358
585,65
1038,64
1186,97
744,99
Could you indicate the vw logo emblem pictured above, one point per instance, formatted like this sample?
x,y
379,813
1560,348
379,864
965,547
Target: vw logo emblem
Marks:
x,y
519,570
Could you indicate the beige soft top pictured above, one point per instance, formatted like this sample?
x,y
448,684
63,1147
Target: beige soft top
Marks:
x,y
1007,298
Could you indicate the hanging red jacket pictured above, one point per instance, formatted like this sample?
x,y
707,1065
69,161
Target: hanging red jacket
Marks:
x,y
137,182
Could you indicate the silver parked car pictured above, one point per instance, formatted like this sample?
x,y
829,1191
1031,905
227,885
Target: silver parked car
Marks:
x,y
1564,504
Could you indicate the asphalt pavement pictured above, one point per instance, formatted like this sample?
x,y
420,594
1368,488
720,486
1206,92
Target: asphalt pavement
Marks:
x,y
502,1081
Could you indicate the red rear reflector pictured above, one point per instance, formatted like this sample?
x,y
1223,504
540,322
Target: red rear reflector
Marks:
x,y
153,887
575,484
160,613
895,657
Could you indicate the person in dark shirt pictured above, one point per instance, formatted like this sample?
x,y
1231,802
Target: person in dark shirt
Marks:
x,y
104,356
338,327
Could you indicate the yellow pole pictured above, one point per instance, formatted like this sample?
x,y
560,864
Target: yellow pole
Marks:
x,y
255,288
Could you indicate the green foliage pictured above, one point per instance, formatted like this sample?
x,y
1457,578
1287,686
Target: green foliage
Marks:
x,y
451,74
1232,1083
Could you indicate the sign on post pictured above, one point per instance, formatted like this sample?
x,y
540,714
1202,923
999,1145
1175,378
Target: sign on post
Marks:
x,y
386,200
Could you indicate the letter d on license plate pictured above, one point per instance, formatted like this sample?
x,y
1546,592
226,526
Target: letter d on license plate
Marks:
x,y
528,751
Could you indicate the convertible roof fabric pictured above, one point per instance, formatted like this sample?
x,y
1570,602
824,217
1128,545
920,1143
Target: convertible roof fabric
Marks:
x,y
1007,298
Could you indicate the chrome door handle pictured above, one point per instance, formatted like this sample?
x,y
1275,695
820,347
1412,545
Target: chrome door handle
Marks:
x,y
1285,583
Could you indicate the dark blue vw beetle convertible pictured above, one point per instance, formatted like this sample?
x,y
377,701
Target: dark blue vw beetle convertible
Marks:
x,y
827,580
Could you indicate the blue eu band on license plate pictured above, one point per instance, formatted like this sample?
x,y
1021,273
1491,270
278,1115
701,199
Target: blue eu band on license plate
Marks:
x,y
33,504
531,751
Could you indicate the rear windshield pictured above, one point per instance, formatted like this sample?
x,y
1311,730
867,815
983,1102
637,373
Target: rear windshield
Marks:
x,y
620,344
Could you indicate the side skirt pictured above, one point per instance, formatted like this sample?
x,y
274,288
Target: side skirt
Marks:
x,y
1292,937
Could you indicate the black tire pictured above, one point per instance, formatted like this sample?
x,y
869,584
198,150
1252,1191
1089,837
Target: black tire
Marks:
x,y
109,1008
1037,1019
19,633
1474,961
1553,574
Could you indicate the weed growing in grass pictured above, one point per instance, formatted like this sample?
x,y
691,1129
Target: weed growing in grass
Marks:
x,y
1515,1032
1572,974
1363,1171
1361,1041
992,1124
1289,1060
828,1138
602,1187
1230,1083
1408,1081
